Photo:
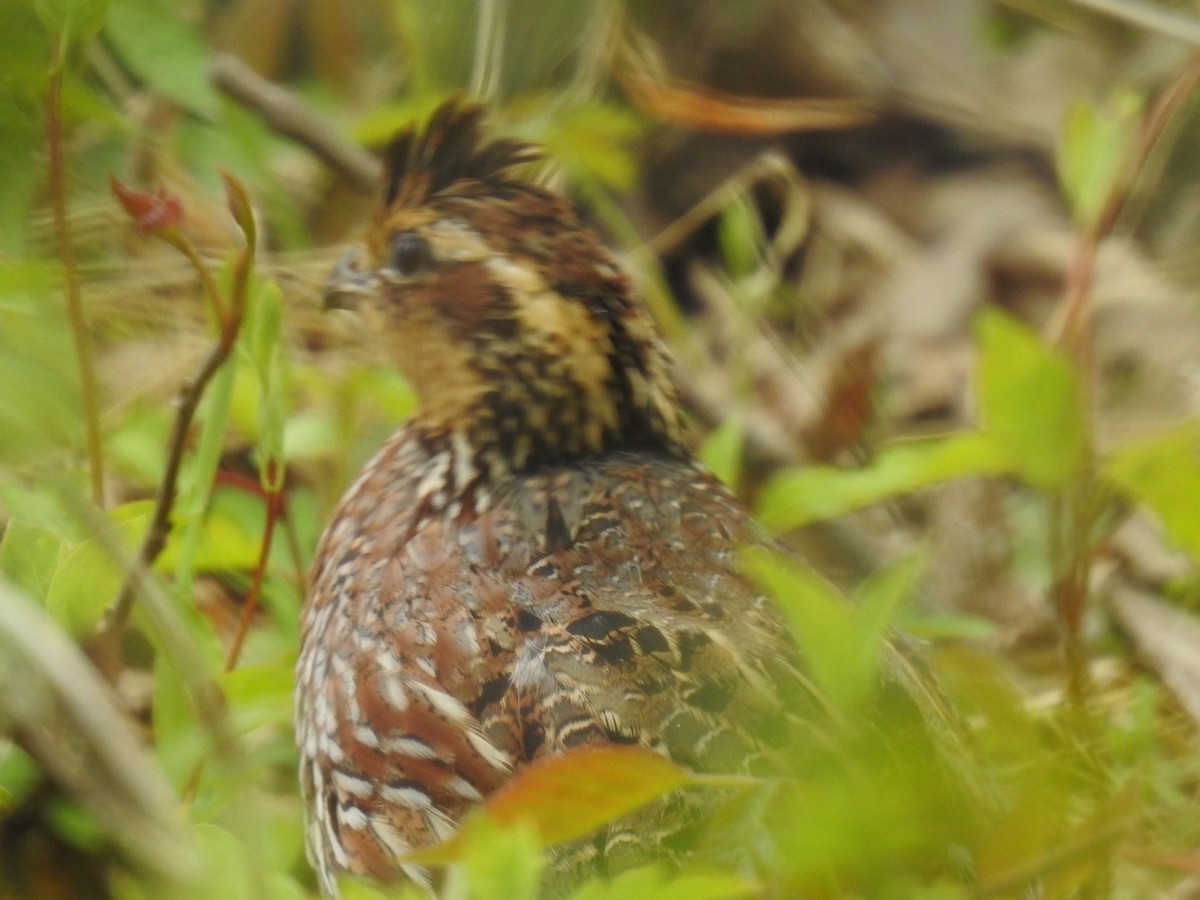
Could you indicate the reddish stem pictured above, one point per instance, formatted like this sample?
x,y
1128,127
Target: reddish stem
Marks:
x,y
274,500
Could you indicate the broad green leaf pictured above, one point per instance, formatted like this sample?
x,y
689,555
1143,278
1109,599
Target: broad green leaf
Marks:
x,y
90,575
722,452
659,882
1093,147
71,21
311,434
228,870
566,797
948,626
220,541
841,643
258,695
29,556
1164,473
135,445
878,600
593,142
352,888
40,409
179,741
160,48
498,863
805,494
1031,402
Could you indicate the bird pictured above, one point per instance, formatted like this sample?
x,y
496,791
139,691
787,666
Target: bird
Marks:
x,y
535,561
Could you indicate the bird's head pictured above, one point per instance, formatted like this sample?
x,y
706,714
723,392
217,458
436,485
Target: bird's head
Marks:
x,y
516,327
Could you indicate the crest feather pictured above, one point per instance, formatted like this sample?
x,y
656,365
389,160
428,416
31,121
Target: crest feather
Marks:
x,y
450,151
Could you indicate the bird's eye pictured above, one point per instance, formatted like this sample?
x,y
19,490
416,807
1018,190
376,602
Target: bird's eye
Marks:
x,y
410,253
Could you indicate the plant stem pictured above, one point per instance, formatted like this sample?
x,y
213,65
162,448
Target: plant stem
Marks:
x,y
66,254
274,500
1075,510
160,522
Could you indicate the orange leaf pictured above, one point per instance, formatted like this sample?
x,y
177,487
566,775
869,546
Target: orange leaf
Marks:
x,y
566,797
238,200
707,109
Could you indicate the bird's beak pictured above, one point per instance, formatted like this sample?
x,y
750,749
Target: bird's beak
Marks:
x,y
347,283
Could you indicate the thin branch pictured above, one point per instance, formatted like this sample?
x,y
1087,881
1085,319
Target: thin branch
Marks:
x,y
288,115
274,498
1075,510
66,254
155,538
160,524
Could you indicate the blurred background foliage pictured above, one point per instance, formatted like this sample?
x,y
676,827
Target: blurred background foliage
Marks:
x,y
929,271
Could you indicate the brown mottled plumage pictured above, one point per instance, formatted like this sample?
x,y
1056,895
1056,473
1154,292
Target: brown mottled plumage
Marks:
x,y
534,562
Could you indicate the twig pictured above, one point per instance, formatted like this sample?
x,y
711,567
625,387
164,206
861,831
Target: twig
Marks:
x,y
274,498
288,115
229,319
66,255
160,523
1076,509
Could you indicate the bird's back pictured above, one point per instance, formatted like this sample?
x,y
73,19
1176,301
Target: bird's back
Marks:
x,y
445,646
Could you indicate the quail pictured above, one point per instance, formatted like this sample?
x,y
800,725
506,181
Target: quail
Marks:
x,y
535,561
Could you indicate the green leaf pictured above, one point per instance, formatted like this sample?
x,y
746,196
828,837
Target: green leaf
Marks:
x,y
29,556
740,235
948,627
797,496
50,503
841,644
266,346
224,539
258,695
20,142
352,888
593,142
179,741
722,452
1031,402
72,21
879,598
1093,147
228,871
1164,473
659,882
198,473
160,48
91,574
499,862
566,797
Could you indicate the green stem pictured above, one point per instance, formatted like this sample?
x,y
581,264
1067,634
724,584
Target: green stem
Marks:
x,y
1075,510
66,254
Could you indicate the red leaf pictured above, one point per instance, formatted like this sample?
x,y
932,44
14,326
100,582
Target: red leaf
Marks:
x,y
154,213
